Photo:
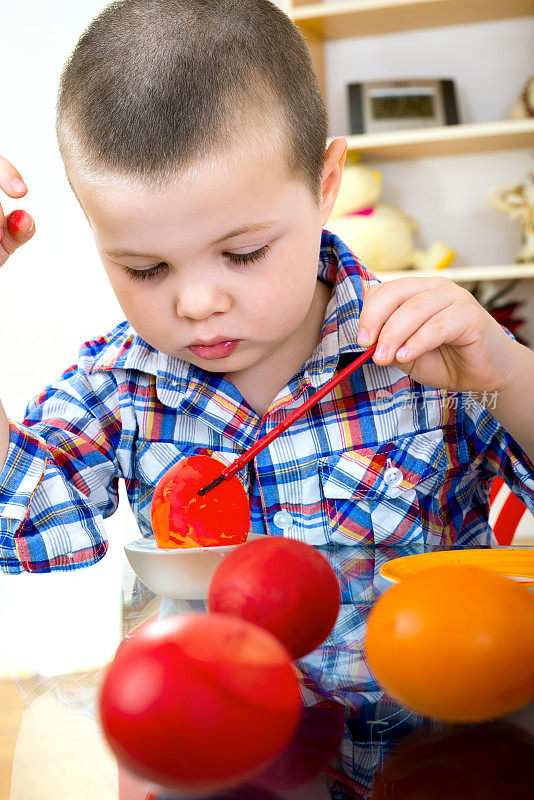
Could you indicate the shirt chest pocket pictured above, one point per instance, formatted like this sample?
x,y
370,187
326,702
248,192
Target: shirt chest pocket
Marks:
x,y
153,459
376,494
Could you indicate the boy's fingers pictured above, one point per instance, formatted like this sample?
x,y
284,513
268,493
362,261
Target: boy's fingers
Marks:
x,y
18,227
11,180
442,328
381,300
406,320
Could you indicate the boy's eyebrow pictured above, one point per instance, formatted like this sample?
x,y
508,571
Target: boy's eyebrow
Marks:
x,y
252,228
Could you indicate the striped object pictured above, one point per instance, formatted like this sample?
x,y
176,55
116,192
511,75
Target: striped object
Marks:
x,y
509,517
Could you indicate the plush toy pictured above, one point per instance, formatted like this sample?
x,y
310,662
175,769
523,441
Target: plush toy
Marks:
x,y
524,105
517,200
380,235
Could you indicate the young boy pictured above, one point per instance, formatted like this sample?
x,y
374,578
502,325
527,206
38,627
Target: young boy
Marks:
x,y
194,135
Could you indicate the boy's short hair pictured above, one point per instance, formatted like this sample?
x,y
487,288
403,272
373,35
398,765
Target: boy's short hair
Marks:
x,y
154,85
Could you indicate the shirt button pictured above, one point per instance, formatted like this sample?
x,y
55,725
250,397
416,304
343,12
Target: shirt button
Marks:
x,y
393,476
282,519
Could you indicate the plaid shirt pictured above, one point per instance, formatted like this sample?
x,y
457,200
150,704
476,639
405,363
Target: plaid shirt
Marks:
x,y
379,460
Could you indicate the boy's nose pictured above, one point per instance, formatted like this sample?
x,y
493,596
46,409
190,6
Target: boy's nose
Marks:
x,y
199,300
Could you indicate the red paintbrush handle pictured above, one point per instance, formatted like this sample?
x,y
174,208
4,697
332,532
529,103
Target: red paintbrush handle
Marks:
x,y
237,465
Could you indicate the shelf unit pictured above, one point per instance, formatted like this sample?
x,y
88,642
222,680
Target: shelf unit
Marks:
x,y
504,272
446,140
320,22
348,18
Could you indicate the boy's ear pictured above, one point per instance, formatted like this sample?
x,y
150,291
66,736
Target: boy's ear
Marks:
x,y
334,161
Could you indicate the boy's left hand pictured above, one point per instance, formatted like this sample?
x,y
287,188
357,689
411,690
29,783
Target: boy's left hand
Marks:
x,y
437,332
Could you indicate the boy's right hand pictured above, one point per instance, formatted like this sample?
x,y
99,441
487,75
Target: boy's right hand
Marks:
x,y
18,227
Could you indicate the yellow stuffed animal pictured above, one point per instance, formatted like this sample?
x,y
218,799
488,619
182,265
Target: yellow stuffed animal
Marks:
x,y
380,235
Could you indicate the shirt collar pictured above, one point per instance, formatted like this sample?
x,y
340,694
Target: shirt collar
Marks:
x,y
178,384
339,268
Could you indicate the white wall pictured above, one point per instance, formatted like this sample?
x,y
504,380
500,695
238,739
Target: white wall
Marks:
x,y
54,295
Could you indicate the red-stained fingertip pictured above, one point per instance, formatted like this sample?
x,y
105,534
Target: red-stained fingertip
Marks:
x,y
18,222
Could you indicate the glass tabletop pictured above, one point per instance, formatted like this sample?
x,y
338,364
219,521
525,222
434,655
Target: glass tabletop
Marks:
x,y
353,741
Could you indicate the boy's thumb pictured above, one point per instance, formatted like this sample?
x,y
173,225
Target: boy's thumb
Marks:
x,y
19,228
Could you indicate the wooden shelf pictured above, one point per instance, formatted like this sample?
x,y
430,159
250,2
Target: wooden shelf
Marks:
x,y
503,272
350,18
445,140
323,21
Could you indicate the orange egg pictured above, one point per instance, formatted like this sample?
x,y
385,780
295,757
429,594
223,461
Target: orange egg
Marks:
x,y
455,643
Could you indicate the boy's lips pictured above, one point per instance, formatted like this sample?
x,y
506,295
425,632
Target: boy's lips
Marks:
x,y
217,348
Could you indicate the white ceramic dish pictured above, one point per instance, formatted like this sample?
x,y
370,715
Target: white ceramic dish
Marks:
x,y
181,573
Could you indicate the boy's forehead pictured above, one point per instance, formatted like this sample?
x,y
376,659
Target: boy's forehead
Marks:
x,y
236,178
193,207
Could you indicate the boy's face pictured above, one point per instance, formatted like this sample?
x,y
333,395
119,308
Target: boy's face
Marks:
x,y
219,267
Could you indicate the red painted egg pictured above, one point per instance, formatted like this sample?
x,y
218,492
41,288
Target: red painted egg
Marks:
x,y
285,586
199,702
183,518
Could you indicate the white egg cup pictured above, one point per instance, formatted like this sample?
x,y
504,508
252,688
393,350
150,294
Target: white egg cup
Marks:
x,y
178,575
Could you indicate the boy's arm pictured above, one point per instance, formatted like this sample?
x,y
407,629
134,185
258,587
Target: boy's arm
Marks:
x,y
60,478
58,472
441,336
515,402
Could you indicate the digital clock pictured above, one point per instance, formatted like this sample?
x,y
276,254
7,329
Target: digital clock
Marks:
x,y
379,106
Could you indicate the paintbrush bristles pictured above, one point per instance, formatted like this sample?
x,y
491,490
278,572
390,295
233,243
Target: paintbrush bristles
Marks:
x,y
219,479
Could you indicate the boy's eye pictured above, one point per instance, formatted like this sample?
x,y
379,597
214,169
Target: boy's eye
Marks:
x,y
247,258
146,274
158,269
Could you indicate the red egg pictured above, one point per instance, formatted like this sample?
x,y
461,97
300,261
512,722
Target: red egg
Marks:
x,y
283,585
198,702
183,518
